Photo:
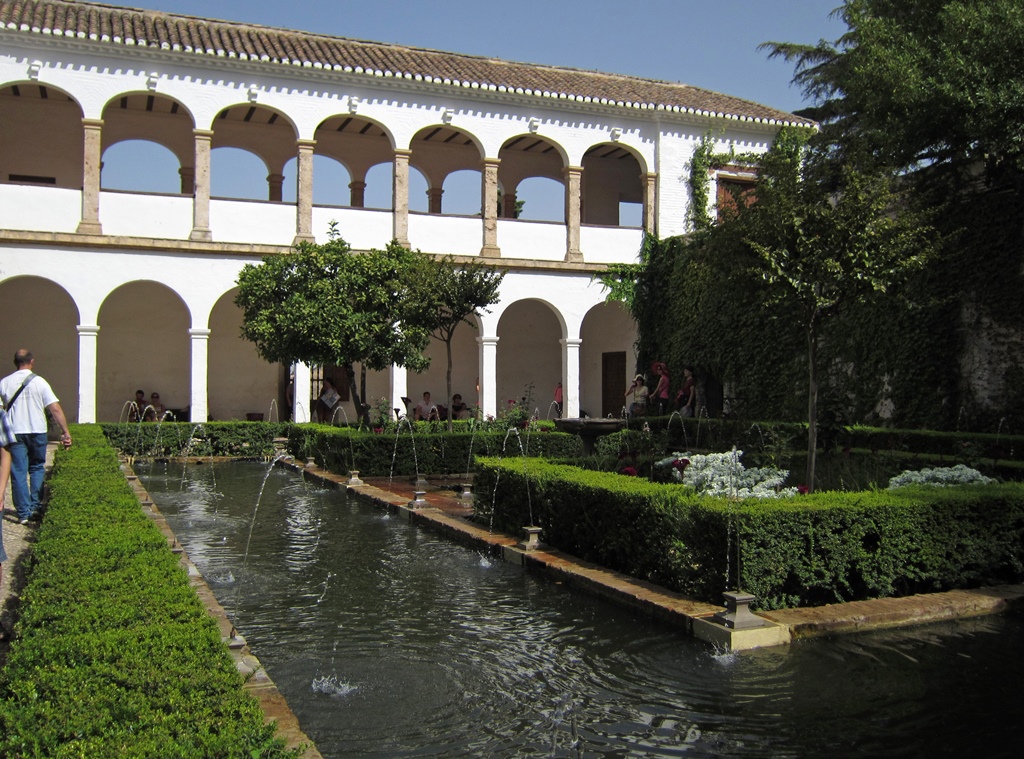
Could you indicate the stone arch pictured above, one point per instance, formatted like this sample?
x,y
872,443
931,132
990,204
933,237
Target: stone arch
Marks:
x,y
240,381
265,132
613,188
41,136
45,322
529,359
358,144
530,156
607,358
240,173
439,150
143,343
153,118
332,182
119,169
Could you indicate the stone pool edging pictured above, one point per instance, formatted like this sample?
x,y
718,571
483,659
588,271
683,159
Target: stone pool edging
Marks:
x,y
446,514
258,683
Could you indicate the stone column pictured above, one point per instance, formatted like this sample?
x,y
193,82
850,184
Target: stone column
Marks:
x,y
199,412
489,199
91,166
488,375
301,395
304,193
358,194
510,205
650,181
188,180
573,204
87,343
571,374
201,199
275,187
399,388
400,197
434,199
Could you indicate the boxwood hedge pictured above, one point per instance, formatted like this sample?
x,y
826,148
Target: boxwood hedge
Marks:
x,y
114,654
802,551
423,450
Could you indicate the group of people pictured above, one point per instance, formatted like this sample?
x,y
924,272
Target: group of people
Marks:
x,y
141,410
659,401
26,399
426,410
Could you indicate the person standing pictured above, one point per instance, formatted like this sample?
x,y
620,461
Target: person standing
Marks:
x,y
27,397
686,400
637,397
661,391
558,399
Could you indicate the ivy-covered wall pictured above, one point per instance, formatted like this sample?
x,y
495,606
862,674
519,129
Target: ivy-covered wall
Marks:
x,y
942,350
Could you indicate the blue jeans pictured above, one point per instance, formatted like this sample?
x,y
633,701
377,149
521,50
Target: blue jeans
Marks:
x,y
28,462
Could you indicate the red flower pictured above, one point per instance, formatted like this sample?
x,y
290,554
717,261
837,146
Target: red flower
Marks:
x,y
629,471
802,489
681,464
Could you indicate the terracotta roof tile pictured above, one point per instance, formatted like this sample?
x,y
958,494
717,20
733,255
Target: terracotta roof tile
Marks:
x,y
118,25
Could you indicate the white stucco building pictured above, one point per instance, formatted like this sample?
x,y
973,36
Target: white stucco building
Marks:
x,y
115,289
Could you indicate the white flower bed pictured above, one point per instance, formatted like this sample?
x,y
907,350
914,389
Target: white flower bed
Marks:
x,y
940,476
722,474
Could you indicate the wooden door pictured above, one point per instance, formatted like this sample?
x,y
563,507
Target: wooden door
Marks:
x,y
613,383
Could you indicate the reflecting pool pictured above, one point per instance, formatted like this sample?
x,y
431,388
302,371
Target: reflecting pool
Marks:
x,y
390,641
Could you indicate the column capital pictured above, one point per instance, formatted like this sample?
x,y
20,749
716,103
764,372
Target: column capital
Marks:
x,y
489,162
402,152
571,342
569,170
304,144
199,334
203,133
92,123
488,340
86,330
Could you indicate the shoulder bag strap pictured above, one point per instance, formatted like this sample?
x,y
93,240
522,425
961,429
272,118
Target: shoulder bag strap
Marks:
x,y
10,403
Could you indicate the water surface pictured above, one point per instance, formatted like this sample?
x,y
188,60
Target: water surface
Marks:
x,y
390,641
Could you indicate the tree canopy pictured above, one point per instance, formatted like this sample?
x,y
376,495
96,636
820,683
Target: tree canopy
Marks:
x,y
324,304
450,294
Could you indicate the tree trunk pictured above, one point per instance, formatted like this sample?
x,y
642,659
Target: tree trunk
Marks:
x,y
812,403
448,345
361,409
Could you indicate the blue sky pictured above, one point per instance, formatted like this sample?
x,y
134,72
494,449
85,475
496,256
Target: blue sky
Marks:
x,y
713,45
706,44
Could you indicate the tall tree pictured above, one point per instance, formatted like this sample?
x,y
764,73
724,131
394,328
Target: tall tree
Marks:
x,y
449,295
935,89
324,304
826,235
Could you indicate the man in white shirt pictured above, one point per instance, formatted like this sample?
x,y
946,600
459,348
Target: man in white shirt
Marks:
x,y
27,397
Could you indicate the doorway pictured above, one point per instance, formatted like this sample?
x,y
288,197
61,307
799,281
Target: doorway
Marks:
x,y
613,383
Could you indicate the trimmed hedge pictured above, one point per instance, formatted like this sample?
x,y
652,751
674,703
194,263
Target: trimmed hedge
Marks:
x,y
675,433
422,451
115,655
803,551
241,439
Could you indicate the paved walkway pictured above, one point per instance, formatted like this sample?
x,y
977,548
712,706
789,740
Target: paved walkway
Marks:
x,y
18,539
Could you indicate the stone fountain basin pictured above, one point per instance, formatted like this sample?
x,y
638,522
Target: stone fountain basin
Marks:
x,y
589,426
589,429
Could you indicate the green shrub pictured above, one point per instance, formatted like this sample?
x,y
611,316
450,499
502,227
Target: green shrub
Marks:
x,y
239,439
799,551
406,453
115,655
